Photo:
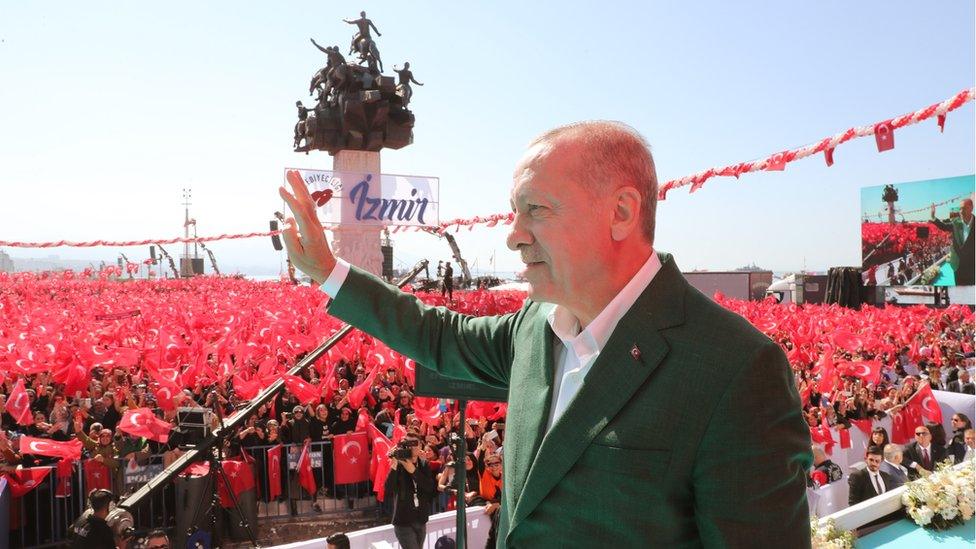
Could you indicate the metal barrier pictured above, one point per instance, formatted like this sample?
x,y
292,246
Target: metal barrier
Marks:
x,y
330,498
41,518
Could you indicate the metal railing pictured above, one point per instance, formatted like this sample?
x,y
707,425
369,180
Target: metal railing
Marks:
x,y
294,500
41,518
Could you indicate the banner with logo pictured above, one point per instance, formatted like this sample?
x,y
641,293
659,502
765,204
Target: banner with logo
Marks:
x,y
296,451
141,474
374,199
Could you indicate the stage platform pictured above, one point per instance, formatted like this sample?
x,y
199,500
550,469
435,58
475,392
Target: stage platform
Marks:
x,y
905,534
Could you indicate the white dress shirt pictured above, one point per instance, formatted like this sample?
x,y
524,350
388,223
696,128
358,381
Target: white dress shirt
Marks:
x,y
574,351
877,481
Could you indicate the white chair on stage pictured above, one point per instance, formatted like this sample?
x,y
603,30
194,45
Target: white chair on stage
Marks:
x,y
828,499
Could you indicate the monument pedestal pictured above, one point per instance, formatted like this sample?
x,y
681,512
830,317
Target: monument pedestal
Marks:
x,y
359,244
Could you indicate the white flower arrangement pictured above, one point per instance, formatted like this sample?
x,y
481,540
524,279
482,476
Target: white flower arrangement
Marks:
x,y
943,499
829,537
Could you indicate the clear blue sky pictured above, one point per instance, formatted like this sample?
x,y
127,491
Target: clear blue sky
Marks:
x,y
917,195
109,109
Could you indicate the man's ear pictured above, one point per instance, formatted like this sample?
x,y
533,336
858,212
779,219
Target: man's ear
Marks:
x,y
626,213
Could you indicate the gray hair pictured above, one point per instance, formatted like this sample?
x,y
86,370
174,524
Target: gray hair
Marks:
x,y
891,450
614,151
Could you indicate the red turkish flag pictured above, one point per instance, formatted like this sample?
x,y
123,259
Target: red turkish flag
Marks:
x,y
241,480
864,425
846,340
884,136
845,438
350,454
141,422
198,469
24,480
247,389
305,476
479,409
900,430
828,373
97,475
821,435
305,392
358,393
65,469
923,404
74,376
426,410
18,404
868,370
47,447
379,464
165,394
274,471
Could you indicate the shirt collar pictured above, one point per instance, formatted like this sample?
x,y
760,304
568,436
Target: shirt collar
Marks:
x,y
595,336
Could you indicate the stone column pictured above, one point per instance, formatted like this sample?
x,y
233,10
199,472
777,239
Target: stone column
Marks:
x,y
357,244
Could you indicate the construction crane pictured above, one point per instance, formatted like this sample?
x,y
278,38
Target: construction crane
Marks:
x,y
465,272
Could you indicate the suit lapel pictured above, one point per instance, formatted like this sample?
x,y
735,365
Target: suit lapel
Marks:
x,y
620,372
530,394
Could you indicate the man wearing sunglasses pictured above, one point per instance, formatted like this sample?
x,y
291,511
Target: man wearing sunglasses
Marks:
x,y
921,455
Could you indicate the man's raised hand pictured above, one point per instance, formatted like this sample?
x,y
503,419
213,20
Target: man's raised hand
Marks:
x,y
303,235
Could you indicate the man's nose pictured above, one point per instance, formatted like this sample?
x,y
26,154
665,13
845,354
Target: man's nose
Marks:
x,y
518,235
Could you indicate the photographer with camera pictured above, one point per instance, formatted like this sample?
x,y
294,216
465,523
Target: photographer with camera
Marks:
x,y
92,530
411,487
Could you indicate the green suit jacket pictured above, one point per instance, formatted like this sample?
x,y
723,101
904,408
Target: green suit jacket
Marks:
x,y
957,227
687,431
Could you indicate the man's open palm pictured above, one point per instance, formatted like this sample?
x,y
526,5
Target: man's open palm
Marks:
x,y
303,234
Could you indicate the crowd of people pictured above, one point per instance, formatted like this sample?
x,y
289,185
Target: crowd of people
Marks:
x,y
854,368
909,256
211,343
214,343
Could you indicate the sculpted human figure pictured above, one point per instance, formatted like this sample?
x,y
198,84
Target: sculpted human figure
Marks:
x,y
330,77
405,78
363,24
363,43
300,125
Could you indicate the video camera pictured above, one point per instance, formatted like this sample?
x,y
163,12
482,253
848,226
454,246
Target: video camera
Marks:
x,y
404,449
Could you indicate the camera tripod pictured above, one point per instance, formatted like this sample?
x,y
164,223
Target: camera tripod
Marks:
x,y
215,460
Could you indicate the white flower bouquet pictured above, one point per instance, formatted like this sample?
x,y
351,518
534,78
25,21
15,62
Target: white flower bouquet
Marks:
x,y
943,499
829,537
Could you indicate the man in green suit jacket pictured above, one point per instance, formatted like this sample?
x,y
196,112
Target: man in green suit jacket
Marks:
x,y
641,414
961,258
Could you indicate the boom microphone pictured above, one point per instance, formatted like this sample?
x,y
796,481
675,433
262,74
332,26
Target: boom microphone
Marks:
x,y
275,241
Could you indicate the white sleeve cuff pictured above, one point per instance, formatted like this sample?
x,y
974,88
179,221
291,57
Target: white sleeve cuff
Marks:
x,y
338,275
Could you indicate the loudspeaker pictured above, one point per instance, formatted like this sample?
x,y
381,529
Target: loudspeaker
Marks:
x,y
387,262
152,253
921,232
193,494
275,240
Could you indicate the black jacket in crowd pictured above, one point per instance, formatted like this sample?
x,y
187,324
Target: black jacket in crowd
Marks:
x,y
400,489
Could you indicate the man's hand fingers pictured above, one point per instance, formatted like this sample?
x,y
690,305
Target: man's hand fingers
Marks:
x,y
304,198
298,186
308,222
289,235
